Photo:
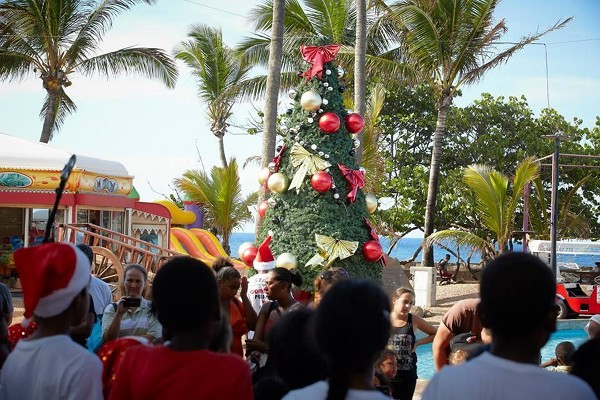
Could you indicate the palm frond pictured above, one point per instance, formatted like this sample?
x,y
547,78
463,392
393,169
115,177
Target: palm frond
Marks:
x,y
149,62
462,239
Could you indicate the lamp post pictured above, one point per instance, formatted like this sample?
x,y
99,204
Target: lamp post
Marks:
x,y
554,198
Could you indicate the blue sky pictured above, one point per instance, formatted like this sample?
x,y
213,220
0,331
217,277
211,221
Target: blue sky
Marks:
x,y
154,131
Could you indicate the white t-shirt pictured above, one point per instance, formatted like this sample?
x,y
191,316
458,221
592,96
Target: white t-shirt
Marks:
x,y
488,377
52,367
101,294
256,291
318,391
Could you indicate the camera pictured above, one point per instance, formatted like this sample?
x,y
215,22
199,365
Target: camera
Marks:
x,y
129,302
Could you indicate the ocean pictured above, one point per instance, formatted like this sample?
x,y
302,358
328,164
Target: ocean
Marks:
x,y
405,248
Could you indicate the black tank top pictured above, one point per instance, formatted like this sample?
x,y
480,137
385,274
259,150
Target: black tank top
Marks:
x,y
402,341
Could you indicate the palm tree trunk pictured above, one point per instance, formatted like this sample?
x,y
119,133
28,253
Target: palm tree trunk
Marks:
x,y
221,146
360,49
225,243
273,81
434,175
50,116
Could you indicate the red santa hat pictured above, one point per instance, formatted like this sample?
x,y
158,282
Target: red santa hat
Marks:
x,y
264,258
52,275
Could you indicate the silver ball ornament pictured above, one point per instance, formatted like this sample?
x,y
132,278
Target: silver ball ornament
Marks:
x,y
371,203
310,100
340,72
292,93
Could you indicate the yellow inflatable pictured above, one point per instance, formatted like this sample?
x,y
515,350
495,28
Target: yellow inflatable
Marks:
x,y
178,216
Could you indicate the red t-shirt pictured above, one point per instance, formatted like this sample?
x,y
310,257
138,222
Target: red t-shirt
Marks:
x,y
161,373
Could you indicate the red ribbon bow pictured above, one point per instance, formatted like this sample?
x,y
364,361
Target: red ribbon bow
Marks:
x,y
318,56
355,178
277,159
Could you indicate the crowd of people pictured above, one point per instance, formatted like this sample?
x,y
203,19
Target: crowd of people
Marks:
x,y
211,333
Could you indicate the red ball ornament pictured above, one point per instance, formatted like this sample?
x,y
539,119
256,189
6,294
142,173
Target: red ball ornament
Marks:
x,y
329,122
262,208
372,251
321,181
354,123
249,255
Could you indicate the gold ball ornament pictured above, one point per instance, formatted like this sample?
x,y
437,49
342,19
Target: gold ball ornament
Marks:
x,y
310,101
371,202
278,182
287,261
263,175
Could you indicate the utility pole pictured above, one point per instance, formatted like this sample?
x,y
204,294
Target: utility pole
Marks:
x,y
554,199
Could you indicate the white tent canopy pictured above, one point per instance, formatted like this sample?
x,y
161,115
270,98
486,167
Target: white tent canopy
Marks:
x,y
17,153
574,247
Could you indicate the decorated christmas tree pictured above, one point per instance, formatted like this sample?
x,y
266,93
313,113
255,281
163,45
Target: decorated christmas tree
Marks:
x,y
315,208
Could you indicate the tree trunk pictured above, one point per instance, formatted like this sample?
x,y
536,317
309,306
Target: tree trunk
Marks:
x,y
434,175
225,243
360,49
273,82
50,116
222,151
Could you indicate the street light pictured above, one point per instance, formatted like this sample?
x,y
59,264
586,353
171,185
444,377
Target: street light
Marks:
x,y
554,199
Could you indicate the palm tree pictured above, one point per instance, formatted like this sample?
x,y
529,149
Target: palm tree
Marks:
x,y
59,38
359,68
570,224
218,71
273,82
496,206
315,22
221,195
452,43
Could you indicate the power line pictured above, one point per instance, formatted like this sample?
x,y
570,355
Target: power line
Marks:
x,y
215,8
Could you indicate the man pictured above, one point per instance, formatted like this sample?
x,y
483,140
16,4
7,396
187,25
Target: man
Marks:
x,y
518,305
263,263
48,364
460,319
183,368
99,290
593,327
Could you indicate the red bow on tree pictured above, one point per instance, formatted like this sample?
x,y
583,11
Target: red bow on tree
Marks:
x,y
318,56
355,178
277,159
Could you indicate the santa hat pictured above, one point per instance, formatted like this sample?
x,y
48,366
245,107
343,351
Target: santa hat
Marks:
x,y
52,275
264,258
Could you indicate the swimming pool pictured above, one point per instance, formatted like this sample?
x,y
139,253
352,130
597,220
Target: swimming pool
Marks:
x,y
425,368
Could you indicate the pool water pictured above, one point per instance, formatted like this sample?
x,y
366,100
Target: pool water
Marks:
x,y
425,368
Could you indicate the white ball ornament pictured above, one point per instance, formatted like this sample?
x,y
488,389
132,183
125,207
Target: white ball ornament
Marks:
x,y
292,93
329,89
325,101
287,261
243,247
310,100
328,72
326,84
310,120
263,175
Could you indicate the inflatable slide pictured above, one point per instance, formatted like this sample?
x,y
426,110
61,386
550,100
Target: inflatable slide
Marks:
x,y
192,242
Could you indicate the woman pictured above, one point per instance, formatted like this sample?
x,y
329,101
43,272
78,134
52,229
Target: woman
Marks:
x,y
278,288
324,281
352,327
240,313
403,341
131,315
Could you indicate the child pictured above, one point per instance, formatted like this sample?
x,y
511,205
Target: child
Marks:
x,y
48,364
564,358
385,370
403,341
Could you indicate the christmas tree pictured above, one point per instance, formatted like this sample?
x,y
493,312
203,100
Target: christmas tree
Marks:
x,y
315,207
